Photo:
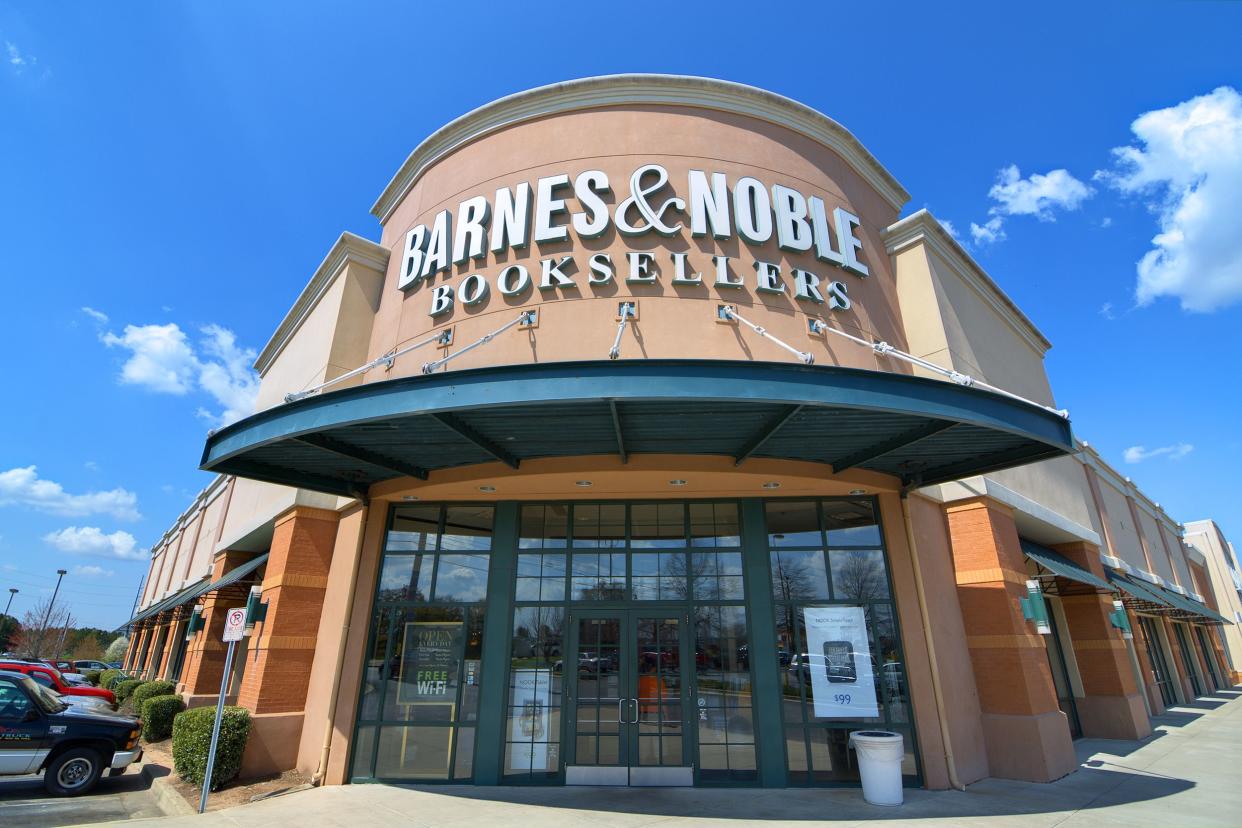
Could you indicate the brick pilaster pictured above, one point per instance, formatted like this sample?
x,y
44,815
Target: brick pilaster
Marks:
x,y
1027,734
1111,707
204,664
296,578
1149,673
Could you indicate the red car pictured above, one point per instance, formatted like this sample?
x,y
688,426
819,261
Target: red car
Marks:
x,y
50,678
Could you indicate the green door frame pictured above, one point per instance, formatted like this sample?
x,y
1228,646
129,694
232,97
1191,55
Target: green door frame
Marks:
x,y
489,747
765,683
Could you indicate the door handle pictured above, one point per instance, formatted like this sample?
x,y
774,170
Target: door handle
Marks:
x,y
635,721
621,718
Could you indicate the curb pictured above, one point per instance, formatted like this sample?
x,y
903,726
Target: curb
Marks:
x,y
170,801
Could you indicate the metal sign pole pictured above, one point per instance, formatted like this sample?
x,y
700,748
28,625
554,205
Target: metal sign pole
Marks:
x,y
234,629
215,728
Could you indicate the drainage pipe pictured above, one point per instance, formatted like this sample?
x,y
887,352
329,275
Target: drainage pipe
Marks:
x,y
322,770
937,691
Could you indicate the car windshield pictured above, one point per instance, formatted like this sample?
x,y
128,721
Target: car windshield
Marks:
x,y
48,701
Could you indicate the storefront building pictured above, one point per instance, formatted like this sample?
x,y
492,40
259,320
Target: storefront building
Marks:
x,y
650,447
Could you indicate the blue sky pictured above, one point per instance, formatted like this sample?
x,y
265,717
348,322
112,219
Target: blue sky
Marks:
x,y
181,168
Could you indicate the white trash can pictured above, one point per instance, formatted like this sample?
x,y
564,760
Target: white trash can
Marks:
x,y
880,753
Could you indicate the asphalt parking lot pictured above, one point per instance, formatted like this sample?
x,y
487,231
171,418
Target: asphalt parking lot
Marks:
x,y
25,804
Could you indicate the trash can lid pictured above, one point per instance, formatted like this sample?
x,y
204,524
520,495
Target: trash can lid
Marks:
x,y
876,735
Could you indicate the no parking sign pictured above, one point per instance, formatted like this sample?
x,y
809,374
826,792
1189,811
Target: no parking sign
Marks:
x,y
235,624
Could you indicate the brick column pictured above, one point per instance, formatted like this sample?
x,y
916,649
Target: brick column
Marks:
x,y
204,664
1112,707
279,663
1026,733
149,650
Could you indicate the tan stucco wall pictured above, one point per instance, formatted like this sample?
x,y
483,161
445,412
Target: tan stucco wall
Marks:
x,y
674,321
1206,537
1121,524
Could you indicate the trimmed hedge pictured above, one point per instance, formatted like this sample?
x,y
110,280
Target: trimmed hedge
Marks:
x,y
149,690
191,739
115,680
106,677
122,689
158,713
93,676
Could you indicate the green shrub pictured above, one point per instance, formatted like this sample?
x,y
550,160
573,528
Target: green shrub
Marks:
x,y
158,713
149,690
191,739
106,677
93,676
122,689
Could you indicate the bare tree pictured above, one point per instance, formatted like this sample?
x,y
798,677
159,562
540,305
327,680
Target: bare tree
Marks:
x,y
34,637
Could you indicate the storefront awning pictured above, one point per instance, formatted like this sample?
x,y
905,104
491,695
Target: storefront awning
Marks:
x,y
177,599
1060,566
919,430
1152,598
199,589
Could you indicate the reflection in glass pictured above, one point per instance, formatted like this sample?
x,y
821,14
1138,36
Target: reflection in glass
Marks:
x,y
792,523
405,578
858,575
414,529
851,523
599,526
714,524
462,578
467,528
799,576
543,526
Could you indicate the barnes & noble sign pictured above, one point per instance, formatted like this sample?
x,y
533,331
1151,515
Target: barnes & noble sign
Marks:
x,y
709,204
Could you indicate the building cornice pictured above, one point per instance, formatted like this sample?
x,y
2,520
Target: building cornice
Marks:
x,y
642,89
348,248
923,226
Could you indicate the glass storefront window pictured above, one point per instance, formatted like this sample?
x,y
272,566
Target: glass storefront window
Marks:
x,y
536,670
420,690
839,655
726,728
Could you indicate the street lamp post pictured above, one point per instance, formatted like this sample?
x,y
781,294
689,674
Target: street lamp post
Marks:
x,y
12,591
60,573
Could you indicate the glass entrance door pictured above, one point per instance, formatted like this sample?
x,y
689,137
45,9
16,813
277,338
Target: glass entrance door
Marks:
x,y
626,708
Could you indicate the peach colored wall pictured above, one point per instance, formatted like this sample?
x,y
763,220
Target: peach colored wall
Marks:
x,y
199,564
1160,560
957,678
674,321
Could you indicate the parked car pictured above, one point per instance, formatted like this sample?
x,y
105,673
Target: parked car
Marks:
x,y
114,665
70,745
52,679
85,701
90,664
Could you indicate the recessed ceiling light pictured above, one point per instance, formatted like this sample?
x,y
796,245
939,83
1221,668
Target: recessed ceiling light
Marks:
x,y
584,484
410,497
858,491
676,482
487,488
772,484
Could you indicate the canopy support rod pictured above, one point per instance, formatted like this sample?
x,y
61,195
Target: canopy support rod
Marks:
x,y
466,432
344,449
884,349
764,434
730,312
626,311
525,317
445,336
889,446
616,427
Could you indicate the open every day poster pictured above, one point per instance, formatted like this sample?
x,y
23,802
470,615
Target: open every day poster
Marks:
x,y
838,659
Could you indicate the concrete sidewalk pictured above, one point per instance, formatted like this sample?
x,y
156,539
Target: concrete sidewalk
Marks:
x,y
1186,774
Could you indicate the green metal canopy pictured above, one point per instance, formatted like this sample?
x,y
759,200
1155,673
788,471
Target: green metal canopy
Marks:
x,y
1061,566
919,430
1156,598
201,588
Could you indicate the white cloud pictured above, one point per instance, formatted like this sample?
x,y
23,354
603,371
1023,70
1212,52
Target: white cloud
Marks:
x,y
1106,311
23,487
949,228
92,572
163,360
1039,195
1137,454
1188,163
98,316
1107,221
90,540
990,231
